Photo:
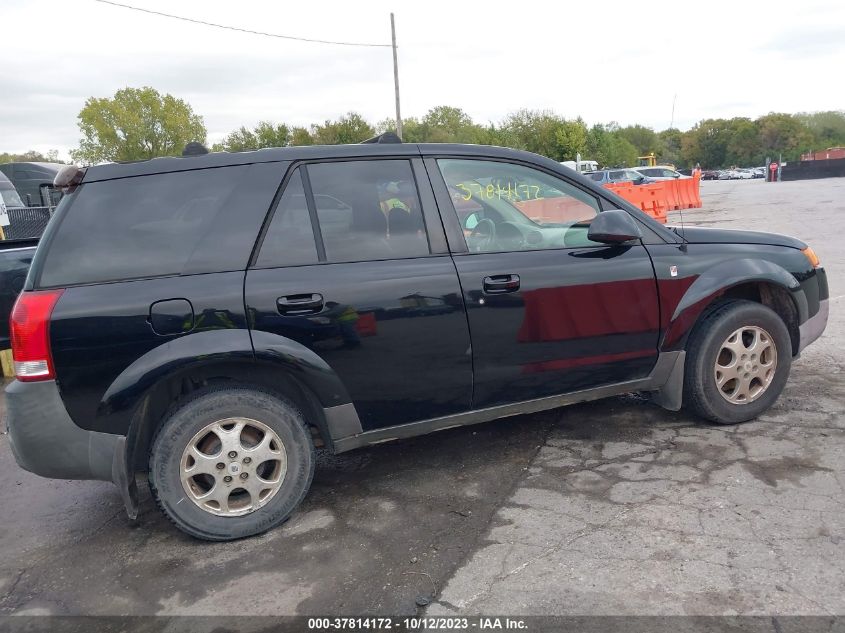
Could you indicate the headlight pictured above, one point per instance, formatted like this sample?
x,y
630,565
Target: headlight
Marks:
x,y
811,256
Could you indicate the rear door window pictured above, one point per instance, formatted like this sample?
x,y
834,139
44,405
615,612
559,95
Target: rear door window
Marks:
x,y
368,210
290,237
145,226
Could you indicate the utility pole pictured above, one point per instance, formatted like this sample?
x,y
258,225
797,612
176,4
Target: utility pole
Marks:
x,y
672,121
396,76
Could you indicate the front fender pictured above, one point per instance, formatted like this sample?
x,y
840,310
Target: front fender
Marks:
x,y
719,279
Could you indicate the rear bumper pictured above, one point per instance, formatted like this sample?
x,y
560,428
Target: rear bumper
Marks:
x,y
813,327
45,440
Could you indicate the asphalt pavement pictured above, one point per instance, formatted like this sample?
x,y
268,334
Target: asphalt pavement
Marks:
x,y
611,507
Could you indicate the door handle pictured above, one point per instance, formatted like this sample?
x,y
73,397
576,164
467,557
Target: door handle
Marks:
x,y
299,305
500,284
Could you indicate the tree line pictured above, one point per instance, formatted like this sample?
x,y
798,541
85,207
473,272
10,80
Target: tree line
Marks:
x,y
140,123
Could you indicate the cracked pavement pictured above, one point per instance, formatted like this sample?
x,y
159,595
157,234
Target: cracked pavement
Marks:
x,y
611,507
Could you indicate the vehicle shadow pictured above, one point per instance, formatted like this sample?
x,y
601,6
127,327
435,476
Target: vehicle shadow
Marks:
x,y
381,530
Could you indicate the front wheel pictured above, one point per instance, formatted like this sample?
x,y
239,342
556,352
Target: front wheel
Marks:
x,y
231,462
738,362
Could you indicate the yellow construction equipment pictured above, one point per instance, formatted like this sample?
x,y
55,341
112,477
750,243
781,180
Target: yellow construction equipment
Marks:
x,y
647,161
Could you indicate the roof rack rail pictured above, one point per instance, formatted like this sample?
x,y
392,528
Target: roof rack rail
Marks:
x,y
194,149
386,137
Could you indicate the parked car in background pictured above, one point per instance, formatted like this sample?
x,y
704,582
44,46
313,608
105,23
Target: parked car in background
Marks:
x,y
610,176
34,182
743,174
160,331
8,193
17,248
584,167
660,172
727,174
710,174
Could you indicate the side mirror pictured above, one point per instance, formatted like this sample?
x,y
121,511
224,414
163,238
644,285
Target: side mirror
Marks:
x,y
614,227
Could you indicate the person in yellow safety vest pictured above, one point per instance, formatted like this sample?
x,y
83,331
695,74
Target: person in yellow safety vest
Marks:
x,y
394,202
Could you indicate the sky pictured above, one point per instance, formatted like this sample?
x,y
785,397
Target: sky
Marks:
x,y
603,61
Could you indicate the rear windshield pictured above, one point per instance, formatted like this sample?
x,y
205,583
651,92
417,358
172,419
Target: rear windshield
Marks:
x,y
144,226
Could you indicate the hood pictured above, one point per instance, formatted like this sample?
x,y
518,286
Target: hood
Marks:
x,y
708,235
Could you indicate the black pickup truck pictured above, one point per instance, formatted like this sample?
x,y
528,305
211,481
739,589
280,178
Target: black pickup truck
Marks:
x,y
212,319
17,246
15,258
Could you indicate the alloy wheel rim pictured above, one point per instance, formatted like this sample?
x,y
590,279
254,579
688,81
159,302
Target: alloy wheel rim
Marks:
x,y
745,365
233,466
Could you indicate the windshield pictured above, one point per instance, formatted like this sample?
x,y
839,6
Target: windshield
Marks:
x,y
625,174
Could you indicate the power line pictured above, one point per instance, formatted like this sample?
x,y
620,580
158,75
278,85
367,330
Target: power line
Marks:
x,y
234,28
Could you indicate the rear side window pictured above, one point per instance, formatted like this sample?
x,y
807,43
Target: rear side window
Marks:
x,y
368,210
144,226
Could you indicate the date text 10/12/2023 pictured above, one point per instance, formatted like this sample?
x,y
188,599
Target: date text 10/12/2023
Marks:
x,y
478,623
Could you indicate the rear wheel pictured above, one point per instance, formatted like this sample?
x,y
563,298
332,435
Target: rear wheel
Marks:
x,y
738,362
231,462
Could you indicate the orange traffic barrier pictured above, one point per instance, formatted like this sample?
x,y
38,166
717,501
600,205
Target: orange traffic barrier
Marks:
x,y
657,198
561,209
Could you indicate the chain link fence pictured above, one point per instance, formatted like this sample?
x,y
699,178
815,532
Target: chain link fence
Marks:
x,y
27,222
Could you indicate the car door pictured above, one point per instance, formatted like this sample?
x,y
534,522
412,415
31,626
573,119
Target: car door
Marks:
x,y
550,312
354,266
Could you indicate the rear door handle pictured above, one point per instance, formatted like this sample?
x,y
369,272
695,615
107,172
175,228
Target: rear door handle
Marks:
x,y
500,284
299,305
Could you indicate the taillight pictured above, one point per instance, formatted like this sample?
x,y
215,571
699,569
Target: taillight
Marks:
x,y
29,332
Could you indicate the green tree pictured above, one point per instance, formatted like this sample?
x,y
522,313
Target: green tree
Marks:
x,y
826,128
744,144
265,134
351,128
137,123
783,133
644,139
31,156
301,136
447,124
441,124
707,143
605,145
543,132
670,147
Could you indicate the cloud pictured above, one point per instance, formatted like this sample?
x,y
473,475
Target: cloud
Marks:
x,y
620,63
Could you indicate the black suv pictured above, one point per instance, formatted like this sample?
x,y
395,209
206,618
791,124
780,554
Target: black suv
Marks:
x,y
212,319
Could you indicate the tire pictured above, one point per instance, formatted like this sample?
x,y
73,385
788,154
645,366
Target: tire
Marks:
x,y
255,424
711,342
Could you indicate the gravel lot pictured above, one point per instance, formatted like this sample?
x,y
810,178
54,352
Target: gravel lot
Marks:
x,y
613,507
